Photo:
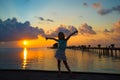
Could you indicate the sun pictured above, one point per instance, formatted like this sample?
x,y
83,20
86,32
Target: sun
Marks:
x,y
25,42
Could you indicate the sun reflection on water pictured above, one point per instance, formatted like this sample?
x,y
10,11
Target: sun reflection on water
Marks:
x,y
24,58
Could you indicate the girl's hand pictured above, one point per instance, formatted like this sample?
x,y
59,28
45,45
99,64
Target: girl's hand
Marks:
x,y
46,38
76,31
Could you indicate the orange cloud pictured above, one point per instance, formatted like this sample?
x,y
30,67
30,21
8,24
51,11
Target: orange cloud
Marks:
x,y
96,5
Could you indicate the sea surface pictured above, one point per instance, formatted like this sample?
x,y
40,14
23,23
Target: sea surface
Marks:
x,y
43,59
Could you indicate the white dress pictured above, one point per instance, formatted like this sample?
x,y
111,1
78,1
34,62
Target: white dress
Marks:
x,y
60,53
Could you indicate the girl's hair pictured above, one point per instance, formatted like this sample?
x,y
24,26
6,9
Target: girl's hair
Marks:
x,y
61,35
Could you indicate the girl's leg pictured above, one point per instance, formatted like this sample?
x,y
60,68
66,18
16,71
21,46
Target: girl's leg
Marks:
x,y
66,65
59,65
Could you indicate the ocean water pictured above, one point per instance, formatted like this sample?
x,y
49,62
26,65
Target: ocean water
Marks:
x,y
43,59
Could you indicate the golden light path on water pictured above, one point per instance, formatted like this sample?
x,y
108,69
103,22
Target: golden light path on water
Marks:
x,y
24,58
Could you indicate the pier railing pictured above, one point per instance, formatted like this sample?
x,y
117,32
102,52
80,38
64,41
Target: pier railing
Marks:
x,y
106,51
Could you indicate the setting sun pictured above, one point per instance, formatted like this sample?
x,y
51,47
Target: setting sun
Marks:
x,y
25,42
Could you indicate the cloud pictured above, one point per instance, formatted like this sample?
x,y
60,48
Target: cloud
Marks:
x,y
86,29
104,11
117,8
116,27
116,38
100,10
66,30
49,20
117,24
107,31
114,32
96,5
11,30
85,4
43,19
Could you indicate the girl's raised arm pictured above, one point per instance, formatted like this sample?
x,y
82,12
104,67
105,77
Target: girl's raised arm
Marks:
x,y
51,38
71,34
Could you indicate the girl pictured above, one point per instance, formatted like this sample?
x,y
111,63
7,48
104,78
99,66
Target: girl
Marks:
x,y
60,53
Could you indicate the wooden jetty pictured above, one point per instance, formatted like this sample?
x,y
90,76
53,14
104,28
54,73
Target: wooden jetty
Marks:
x,y
107,51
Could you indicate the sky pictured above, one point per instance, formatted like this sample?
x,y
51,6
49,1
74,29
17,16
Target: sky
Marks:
x,y
97,22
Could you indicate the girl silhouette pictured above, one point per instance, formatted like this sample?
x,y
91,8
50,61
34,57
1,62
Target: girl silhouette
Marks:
x,y
60,53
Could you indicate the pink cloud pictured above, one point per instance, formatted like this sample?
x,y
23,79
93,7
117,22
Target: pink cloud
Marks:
x,y
96,5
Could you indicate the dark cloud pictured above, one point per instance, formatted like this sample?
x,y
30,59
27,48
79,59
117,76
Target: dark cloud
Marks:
x,y
107,11
85,4
117,8
86,29
66,30
107,31
104,11
43,19
11,30
50,20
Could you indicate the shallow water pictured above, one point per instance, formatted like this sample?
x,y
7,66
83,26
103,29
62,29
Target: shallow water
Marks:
x,y
43,59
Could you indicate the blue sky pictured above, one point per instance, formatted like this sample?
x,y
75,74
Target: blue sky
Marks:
x,y
94,15
57,10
